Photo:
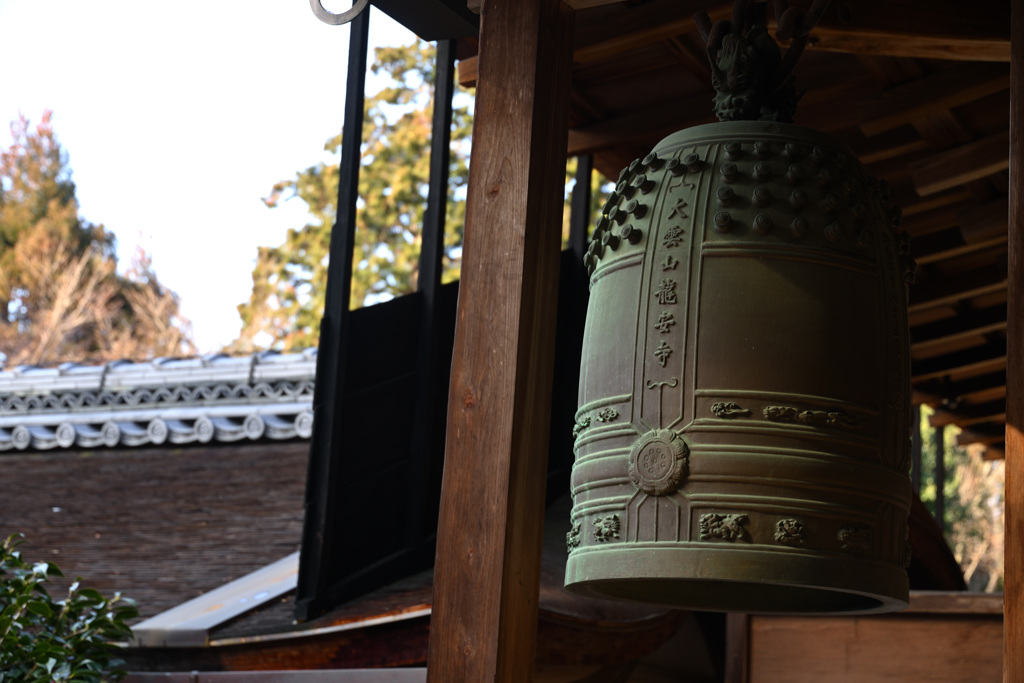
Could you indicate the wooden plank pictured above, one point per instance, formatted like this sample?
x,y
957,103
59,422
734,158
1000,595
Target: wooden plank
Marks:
x,y
959,648
942,291
884,146
604,35
968,324
976,361
969,414
949,244
936,391
961,164
913,204
487,573
993,454
934,93
942,129
960,31
1013,654
641,125
988,434
926,222
467,71
955,602
982,222
737,648
908,28
986,419
985,395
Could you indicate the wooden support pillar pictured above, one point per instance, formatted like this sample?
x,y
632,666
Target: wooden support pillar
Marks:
x,y
487,572
915,450
1013,616
939,448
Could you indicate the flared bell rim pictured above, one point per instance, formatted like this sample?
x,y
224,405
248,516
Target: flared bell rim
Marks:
x,y
740,580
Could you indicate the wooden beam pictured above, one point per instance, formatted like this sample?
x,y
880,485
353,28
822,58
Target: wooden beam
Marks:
x,y
927,222
988,434
955,288
640,126
934,93
988,418
993,454
909,28
487,573
967,415
985,395
898,28
949,244
467,71
1013,634
604,36
961,164
976,361
884,146
936,391
982,222
914,205
969,324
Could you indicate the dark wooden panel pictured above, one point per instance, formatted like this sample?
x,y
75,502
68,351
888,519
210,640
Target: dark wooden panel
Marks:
x,y
383,337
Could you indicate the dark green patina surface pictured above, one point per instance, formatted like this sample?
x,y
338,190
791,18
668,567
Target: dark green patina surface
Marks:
x,y
742,438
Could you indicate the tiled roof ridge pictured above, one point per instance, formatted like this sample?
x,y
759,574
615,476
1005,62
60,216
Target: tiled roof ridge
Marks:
x,y
218,397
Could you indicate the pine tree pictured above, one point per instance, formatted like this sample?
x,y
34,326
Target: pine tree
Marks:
x,y
973,502
289,281
287,299
61,298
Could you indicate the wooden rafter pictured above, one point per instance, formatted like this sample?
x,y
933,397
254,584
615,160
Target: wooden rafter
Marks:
x,y
961,164
988,358
969,324
934,93
956,288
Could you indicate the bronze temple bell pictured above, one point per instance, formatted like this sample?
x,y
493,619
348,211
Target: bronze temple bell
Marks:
x,y
742,438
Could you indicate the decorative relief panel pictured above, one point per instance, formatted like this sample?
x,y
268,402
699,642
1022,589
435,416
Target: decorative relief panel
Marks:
x,y
606,528
725,527
730,409
854,540
581,424
814,418
790,532
572,537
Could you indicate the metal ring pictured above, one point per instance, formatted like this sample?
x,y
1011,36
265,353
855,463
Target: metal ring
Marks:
x,y
337,19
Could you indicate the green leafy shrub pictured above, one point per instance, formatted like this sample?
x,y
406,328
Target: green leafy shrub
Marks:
x,y
42,639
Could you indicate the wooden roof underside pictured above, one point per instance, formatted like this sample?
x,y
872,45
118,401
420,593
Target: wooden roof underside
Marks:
x,y
919,91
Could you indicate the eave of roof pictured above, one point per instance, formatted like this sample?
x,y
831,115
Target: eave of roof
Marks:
x,y
211,398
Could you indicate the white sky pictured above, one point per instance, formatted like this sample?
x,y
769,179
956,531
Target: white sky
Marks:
x,y
177,118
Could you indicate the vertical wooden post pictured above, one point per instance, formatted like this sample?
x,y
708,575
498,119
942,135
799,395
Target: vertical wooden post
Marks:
x,y
487,573
326,464
1013,615
915,450
939,447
